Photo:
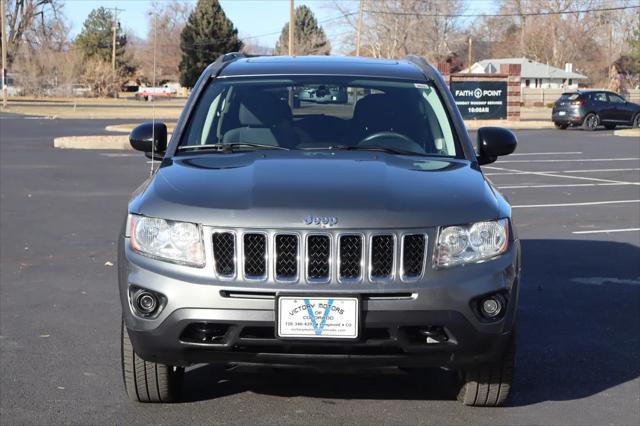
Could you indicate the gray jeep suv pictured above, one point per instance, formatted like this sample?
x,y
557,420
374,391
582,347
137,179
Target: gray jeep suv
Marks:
x,y
356,231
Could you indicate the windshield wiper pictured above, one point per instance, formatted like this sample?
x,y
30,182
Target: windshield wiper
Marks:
x,y
228,147
369,148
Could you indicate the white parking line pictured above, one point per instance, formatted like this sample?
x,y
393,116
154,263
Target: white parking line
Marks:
x,y
569,185
545,153
606,231
571,159
559,171
564,176
592,203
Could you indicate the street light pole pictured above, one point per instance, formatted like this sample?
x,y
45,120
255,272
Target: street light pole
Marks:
x,y
359,27
153,101
114,29
292,28
3,78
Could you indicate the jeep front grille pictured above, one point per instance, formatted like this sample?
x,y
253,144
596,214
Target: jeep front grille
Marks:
x,y
350,257
382,256
319,256
286,248
224,252
255,255
413,248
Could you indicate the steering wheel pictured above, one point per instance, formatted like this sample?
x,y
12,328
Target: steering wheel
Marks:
x,y
407,143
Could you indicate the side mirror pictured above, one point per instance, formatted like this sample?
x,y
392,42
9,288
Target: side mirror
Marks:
x,y
150,138
494,142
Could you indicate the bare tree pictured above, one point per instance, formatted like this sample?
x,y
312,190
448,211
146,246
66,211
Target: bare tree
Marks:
x,y
395,28
30,21
39,38
559,32
170,19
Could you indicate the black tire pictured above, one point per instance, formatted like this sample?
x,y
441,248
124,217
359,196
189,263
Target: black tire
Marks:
x,y
609,126
561,126
590,122
488,385
636,121
148,381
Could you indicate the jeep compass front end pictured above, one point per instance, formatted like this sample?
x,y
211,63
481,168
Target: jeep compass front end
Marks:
x,y
340,230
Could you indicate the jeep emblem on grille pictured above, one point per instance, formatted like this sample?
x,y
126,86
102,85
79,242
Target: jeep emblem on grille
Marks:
x,y
320,220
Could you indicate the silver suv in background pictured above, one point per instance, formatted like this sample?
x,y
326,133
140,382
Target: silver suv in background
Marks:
x,y
279,230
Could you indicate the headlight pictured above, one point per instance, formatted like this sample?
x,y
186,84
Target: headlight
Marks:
x,y
471,243
177,242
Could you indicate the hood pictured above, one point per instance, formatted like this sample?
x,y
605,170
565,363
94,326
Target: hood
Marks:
x,y
278,189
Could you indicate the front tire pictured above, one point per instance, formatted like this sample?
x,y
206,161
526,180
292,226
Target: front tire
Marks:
x,y
636,121
590,122
488,385
148,381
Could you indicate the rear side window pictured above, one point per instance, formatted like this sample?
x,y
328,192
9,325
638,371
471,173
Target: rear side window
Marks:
x,y
569,96
616,99
599,97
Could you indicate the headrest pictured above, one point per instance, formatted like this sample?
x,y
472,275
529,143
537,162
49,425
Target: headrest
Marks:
x,y
263,110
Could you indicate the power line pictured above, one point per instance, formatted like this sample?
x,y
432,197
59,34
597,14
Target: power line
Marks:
x,y
502,15
324,21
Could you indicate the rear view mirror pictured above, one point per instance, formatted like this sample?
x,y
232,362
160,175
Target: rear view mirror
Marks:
x,y
494,142
150,138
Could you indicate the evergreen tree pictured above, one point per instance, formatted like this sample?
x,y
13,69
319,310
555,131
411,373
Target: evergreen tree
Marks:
x,y
309,37
207,35
96,38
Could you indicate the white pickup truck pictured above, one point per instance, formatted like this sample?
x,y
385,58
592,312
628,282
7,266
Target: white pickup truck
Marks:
x,y
148,93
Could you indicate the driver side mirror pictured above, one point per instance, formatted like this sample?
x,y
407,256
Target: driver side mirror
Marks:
x,y
150,138
494,142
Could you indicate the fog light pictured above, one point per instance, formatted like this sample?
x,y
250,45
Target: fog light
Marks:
x,y
146,302
491,307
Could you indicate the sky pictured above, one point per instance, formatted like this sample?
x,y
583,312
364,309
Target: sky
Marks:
x,y
258,20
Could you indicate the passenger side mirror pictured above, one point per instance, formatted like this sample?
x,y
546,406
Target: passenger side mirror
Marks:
x,y
494,142
150,138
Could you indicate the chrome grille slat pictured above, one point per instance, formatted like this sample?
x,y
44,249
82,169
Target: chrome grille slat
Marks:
x,y
255,255
382,256
350,257
319,256
224,249
286,252
413,255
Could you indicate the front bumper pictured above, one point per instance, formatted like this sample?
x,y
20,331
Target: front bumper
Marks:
x,y
391,316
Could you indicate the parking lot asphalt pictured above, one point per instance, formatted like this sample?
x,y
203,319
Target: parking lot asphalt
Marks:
x,y
576,200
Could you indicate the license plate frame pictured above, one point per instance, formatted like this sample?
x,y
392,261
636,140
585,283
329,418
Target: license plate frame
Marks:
x,y
311,334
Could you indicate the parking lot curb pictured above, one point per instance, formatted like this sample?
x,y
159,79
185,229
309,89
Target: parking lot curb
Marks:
x,y
509,124
628,133
119,142
128,127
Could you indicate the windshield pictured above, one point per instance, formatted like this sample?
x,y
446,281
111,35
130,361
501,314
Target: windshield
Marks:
x,y
307,113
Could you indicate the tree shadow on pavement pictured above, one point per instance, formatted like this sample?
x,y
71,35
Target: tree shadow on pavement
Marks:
x,y
578,324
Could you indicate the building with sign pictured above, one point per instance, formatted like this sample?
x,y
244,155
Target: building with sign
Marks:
x,y
532,74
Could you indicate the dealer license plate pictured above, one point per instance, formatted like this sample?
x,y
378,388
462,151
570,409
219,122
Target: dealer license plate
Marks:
x,y
318,317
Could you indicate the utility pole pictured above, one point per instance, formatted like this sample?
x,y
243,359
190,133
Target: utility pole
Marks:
x,y
4,55
469,56
292,27
114,30
359,27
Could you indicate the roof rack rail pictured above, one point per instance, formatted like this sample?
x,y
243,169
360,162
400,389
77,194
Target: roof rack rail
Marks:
x,y
231,56
429,70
